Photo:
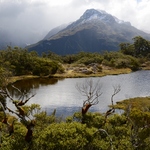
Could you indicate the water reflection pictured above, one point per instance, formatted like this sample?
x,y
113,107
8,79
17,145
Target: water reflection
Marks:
x,y
30,85
63,96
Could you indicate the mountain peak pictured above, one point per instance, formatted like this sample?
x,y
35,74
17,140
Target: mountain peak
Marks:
x,y
93,12
98,15
94,31
101,15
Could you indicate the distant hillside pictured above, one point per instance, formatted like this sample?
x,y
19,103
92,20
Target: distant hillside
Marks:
x,y
55,31
94,31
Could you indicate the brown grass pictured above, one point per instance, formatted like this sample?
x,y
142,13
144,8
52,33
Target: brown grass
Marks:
x,y
73,74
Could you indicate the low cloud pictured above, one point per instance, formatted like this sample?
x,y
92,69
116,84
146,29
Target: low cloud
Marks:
x,y
30,18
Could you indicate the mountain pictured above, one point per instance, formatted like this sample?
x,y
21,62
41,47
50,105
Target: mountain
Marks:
x,y
55,31
94,31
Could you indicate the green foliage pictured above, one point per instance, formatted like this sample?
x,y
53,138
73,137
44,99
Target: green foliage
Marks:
x,y
63,136
21,62
16,141
42,66
4,74
69,59
142,46
91,119
139,48
119,60
83,58
52,56
89,58
118,132
141,103
127,49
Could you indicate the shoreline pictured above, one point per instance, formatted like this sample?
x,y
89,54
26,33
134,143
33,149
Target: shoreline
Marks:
x,y
72,74
23,77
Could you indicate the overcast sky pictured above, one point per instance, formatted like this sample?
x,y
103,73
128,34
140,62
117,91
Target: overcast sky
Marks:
x,y
40,16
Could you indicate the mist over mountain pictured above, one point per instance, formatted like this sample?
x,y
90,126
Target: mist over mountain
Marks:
x,y
11,37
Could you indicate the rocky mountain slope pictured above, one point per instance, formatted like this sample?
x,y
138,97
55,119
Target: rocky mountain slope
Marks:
x,y
94,31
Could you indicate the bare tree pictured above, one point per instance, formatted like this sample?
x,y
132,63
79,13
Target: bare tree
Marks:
x,y
116,91
112,109
19,104
92,92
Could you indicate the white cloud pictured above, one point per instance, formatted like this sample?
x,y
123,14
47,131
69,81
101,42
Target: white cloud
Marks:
x,y
25,17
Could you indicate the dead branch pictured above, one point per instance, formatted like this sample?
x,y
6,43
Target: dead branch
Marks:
x,y
20,102
112,109
4,92
92,92
117,89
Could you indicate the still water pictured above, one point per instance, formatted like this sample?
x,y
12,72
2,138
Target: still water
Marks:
x,y
62,95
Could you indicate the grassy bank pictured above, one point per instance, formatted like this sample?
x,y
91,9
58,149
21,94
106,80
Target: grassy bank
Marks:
x,y
72,73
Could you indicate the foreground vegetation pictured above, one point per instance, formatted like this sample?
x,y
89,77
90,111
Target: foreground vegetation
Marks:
x,y
28,127
25,127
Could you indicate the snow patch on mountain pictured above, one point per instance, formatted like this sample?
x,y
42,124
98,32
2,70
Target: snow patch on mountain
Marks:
x,y
121,21
93,17
92,14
